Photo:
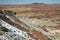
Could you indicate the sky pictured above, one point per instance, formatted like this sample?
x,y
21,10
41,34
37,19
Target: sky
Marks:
x,y
29,1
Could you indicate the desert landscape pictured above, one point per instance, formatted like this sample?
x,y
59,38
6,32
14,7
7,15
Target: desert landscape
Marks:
x,y
40,21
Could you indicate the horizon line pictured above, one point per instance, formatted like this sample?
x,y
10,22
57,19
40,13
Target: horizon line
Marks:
x,y
27,3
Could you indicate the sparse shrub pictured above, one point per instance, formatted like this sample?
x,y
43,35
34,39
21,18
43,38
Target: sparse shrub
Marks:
x,y
4,29
1,33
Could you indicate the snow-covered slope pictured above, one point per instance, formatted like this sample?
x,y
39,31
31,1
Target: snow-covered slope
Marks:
x,y
14,29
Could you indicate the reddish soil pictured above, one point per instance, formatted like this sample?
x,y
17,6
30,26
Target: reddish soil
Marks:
x,y
38,36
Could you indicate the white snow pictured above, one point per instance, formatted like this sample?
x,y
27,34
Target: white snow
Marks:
x,y
14,29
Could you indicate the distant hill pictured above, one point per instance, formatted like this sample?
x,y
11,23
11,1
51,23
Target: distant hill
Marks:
x,y
38,3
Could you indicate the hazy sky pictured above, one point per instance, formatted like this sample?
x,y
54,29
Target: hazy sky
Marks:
x,y
28,1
